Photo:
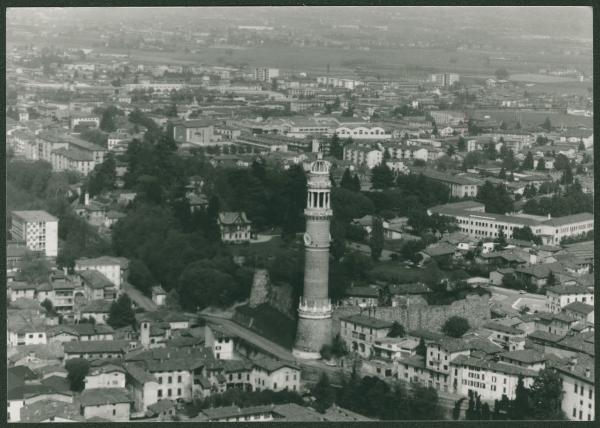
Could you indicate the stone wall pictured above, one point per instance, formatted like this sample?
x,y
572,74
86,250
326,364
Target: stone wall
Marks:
x,y
431,317
259,290
279,296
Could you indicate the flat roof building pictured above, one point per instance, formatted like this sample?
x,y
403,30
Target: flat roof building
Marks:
x,y
38,229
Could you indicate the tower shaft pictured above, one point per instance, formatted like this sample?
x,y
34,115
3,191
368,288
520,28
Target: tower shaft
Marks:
x,y
314,309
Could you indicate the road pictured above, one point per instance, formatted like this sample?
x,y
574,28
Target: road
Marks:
x,y
268,346
138,298
511,300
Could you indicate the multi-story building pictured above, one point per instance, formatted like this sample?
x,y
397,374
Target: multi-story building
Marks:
x,y
482,225
265,74
578,388
85,120
196,132
490,379
360,132
560,296
360,332
235,227
72,160
360,154
60,292
446,117
444,79
406,152
555,229
110,267
38,229
459,186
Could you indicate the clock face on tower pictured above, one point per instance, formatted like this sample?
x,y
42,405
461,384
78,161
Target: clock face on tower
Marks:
x,y
307,239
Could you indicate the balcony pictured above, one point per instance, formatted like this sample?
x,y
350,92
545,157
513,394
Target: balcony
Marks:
x,y
314,308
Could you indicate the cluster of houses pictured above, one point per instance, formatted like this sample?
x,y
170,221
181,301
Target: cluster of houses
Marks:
x,y
138,375
488,360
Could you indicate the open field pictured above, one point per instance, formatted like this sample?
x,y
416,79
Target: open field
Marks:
x,y
540,78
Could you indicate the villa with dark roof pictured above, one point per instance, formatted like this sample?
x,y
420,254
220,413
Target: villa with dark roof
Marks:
x,y
235,227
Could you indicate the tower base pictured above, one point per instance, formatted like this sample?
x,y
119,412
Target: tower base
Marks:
x,y
311,335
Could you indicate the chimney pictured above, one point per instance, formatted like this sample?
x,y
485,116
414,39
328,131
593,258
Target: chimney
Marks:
x,y
587,372
86,200
549,216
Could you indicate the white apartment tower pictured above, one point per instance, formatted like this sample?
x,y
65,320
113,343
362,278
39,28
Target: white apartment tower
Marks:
x,y
38,229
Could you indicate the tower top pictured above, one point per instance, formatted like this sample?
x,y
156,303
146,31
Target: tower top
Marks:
x,y
320,166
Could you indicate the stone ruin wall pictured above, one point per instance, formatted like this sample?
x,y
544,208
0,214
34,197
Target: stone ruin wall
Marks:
x,y
430,317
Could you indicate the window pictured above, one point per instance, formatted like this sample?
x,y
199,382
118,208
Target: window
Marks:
x,y
159,393
170,379
114,412
178,379
169,392
160,380
178,391
275,385
575,388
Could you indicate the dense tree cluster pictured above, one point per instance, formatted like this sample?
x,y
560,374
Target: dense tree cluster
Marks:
x,y
373,397
572,201
238,397
526,234
456,326
121,313
77,370
495,198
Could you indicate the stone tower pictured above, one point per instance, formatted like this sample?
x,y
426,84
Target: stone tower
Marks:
x,y
314,309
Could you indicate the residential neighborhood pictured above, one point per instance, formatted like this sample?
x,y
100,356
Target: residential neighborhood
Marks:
x,y
281,214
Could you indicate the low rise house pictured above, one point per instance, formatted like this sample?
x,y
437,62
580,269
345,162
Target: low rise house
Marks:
x,y
268,373
560,296
235,227
142,386
159,295
23,396
509,338
98,310
51,410
113,404
80,332
105,376
394,348
21,290
96,349
163,410
582,312
361,296
526,358
97,286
